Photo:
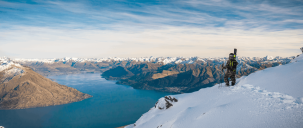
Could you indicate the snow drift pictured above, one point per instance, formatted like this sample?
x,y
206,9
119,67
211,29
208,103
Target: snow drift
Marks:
x,y
268,98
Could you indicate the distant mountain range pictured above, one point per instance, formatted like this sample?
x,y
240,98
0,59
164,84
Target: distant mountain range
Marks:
x,y
21,87
183,78
167,74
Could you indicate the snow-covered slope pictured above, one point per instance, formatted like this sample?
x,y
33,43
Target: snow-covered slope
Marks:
x,y
268,98
9,67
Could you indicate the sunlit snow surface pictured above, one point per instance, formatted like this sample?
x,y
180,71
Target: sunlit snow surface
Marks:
x,y
270,98
10,67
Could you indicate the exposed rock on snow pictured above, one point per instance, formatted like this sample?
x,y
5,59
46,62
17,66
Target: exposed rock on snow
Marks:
x,y
298,58
166,102
10,67
14,71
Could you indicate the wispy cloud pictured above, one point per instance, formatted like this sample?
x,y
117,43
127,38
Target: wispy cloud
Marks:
x,y
264,6
123,28
168,41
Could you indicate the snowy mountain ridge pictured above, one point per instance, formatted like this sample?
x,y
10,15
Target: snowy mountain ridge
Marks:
x,y
10,67
267,98
164,60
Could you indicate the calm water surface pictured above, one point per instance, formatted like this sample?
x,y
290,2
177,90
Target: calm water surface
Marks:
x,y
111,106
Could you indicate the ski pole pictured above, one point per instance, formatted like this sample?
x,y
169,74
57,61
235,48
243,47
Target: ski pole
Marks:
x,y
222,73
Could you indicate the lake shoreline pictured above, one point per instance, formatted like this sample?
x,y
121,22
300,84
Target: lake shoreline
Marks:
x,y
111,106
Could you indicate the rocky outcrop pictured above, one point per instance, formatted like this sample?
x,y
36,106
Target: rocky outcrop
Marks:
x,y
166,102
21,87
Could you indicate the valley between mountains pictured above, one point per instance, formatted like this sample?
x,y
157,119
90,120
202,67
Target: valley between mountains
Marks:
x,y
23,83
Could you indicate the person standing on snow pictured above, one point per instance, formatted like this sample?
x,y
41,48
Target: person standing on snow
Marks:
x,y
301,49
231,67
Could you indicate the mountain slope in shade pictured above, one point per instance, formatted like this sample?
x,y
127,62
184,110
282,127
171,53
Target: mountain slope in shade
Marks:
x,y
270,98
21,87
181,78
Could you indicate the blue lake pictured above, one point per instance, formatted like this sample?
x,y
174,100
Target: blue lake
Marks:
x,y
111,106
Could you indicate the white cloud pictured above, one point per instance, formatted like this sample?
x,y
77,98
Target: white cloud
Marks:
x,y
293,21
247,6
74,7
41,42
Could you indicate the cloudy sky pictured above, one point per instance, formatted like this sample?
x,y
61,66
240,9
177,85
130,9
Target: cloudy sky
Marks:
x,y
142,28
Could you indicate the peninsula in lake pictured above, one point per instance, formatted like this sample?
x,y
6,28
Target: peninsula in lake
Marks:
x,y
21,87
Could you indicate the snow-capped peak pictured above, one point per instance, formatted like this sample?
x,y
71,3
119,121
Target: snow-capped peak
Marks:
x,y
268,58
10,67
164,60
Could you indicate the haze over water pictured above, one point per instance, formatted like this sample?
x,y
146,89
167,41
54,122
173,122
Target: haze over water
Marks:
x,y
111,106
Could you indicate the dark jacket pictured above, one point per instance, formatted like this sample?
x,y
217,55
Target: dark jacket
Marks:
x,y
231,65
